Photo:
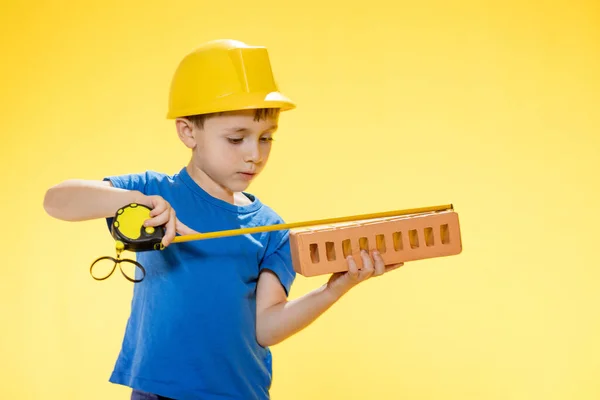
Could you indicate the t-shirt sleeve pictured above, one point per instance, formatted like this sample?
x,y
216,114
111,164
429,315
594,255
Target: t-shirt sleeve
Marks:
x,y
278,259
136,181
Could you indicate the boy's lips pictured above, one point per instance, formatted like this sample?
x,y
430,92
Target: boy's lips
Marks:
x,y
248,174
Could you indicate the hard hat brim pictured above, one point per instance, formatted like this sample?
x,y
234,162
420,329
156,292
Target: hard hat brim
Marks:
x,y
237,101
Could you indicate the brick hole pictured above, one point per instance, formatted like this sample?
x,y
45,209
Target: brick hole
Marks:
x,y
330,251
380,243
445,234
429,237
314,253
346,248
413,237
397,238
363,244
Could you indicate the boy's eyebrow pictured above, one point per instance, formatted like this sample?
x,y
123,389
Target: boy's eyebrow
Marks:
x,y
241,129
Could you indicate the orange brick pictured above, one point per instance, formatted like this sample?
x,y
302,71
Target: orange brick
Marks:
x,y
319,250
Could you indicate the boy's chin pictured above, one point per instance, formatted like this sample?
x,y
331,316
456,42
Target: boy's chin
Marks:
x,y
238,186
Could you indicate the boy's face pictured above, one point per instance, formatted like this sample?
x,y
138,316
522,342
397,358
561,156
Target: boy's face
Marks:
x,y
229,151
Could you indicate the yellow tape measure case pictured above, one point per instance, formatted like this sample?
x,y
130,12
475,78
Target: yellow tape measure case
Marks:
x,y
128,228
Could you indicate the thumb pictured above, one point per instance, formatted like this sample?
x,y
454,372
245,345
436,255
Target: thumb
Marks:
x,y
183,229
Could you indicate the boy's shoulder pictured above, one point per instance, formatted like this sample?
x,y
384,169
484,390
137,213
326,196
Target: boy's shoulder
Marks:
x,y
144,175
159,175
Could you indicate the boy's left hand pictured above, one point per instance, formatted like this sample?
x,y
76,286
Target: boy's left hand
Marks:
x,y
341,282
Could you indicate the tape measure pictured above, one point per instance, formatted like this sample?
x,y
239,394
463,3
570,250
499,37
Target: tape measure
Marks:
x,y
128,229
130,234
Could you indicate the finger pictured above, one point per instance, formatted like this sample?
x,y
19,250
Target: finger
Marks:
x,y
379,267
170,226
352,268
393,267
160,219
367,269
159,206
183,229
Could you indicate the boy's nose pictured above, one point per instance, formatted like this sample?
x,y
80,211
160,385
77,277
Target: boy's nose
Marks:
x,y
253,154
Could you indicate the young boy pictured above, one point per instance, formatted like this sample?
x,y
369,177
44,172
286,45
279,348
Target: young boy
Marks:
x,y
207,311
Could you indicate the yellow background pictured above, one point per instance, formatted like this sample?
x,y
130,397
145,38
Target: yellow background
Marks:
x,y
491,106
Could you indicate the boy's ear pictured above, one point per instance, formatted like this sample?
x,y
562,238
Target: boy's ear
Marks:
x,y
185,131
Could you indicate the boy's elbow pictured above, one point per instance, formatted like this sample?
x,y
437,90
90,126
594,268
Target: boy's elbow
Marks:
x,y
266,340
50,202
261,338
266,337
54,203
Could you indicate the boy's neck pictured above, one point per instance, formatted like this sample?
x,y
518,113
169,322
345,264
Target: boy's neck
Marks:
x,y
215,190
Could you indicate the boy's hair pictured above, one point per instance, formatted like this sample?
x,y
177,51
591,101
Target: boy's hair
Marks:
x,y
259,113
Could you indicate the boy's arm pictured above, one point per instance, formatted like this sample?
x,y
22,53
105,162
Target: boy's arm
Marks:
x,y
278,318
81,200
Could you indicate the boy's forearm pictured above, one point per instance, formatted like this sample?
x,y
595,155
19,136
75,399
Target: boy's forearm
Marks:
x,y
80,200
285,319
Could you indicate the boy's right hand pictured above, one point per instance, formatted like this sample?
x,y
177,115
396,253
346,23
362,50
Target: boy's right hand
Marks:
x,y
163,214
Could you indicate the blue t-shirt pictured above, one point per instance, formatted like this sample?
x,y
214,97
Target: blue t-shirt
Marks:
x,y
192,329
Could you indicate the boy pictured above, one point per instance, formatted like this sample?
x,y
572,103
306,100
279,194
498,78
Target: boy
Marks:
x,y
207,311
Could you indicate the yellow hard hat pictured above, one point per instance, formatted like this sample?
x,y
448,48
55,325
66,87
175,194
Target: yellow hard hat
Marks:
x,y
224,75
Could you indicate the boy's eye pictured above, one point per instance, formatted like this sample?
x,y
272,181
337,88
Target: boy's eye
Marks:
x,y
240,140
